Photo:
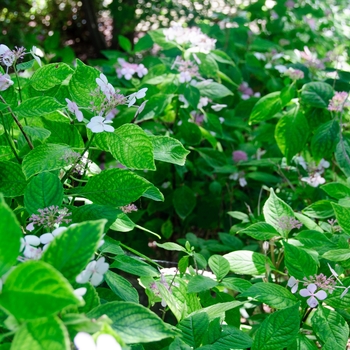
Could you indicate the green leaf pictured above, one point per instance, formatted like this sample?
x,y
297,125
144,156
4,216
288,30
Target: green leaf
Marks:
x,y
199,283
219,265
121,287
218,310
266,108
291,133
130,145
303,343
168,149
298,262
36,134
134,266
184,200
325,139
213,157
342,215
50,75
316,94
36,283
72,250
10,235
43,190
46,157
271,294
12,179
315,240
342,156
82,83
192,95
237,284
260,231
37,106
194,328
172,246
213,90
337,255
274,209
307,222
124,43
144,43
190,133
330,326
246,262
278,330
134,323
336,190
115,187
45,333
123,224
319,210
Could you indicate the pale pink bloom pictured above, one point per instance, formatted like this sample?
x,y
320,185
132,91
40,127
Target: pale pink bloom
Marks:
x,y
339,101
203,101
73,108
314,180
185,77
5,82
239,155
294,74
141,70
99,124
8,57
310,292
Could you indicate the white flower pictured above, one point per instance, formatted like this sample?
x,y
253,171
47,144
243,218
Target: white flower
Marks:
x,y
184,101
218,107
73,108
100,124
293,284
33,53
46,238
203,101
105,86
136,95
310,292
94,272
5,82
314,180
30,227
84,341
8,57
28,245
141,108
141,70
127,72
80,292
185,77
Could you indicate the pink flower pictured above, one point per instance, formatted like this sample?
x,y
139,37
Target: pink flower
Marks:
x,y
73,108
310,292
239,155
339,101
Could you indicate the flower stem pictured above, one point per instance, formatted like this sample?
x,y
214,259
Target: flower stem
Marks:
x,y
10,142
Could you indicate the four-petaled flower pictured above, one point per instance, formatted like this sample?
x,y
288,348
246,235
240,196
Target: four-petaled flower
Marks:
x,y
73,108
100,124
84,341
310,292
293,284
94,272
105,86
136,95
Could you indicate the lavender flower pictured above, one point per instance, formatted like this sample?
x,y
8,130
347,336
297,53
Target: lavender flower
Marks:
x,y
128,208
339,102
294,74
50,217
288,223
321,281
239,155
314,297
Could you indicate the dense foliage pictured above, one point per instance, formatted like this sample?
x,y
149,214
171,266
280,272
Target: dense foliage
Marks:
x,y
221,149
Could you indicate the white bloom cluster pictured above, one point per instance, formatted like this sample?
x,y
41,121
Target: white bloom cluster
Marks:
x,y
193,37
314,179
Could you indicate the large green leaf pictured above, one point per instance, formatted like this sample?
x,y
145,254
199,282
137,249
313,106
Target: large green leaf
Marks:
x,y
12,179
336,190
37,106
134,266
343,217
46,157
266,108
194,328
261,231
44,333
219,266
184,201
330,326
134,323
213,90
316,94
115,187
43,190
291,133
246,262
325,139
35,289
199,283
298,262
321,209
50,75
72,250
10,235
275,210
168,149
278,330
121,287
342,155
271,294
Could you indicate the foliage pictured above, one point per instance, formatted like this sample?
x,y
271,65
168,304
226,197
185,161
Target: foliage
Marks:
x,y
220,149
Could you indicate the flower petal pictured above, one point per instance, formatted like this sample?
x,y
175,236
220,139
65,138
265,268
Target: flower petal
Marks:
x,y
84,341
321,295
312,301
304,293
311,288
32,240
46,238
96,279
83,277
108,128
106,341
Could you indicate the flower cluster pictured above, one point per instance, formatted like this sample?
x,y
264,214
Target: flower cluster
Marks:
x,y
94,272
288,223
314,179
126,209
339,101
193,37
50,217
237,156
309,59
187,69
247,92
84,341
127,70
321,281
294,74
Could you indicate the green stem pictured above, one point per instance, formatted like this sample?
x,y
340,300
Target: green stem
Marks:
x,y
19,88
67,174
10,142
18,124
